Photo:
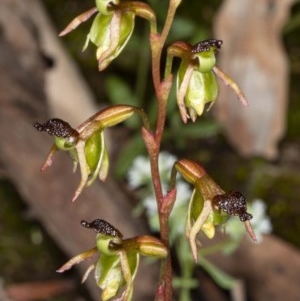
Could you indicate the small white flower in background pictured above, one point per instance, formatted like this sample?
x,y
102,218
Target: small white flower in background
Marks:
x,y
166,162
183,193
261,223
149,204
139,175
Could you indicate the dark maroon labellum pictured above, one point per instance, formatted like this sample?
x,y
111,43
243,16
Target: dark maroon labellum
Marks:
x,y
206,45
103,227
233,203
57,127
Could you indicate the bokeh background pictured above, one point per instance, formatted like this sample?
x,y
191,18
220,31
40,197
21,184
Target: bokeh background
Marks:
x,y
255,151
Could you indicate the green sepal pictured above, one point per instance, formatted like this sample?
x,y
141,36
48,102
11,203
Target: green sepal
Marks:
x,y
194,211
109,274
74,157
108,30
206,60
219,217
125,31
133,261
215,217
196,204
105,244
96,157
103,165
63,143
104,6
203,88
92,150
99,32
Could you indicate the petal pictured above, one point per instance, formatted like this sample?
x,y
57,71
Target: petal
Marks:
x,y
100,31
195,229
129,263
183,81
228,81
104,167
49,159
78,20
87,272
121,29
92,150
203,88
84,169
108,275
77,259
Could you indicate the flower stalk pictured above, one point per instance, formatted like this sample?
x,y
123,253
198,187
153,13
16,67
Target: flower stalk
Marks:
x,y
162,90
197,86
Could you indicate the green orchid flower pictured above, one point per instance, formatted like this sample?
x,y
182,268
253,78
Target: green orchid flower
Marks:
x,y
112,27
86,144
196,78
209,205
118,259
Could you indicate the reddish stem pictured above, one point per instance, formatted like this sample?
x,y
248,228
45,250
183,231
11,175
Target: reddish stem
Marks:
x,y
153,144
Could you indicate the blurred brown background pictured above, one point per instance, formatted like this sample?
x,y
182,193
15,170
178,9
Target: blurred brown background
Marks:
x,y
253,149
